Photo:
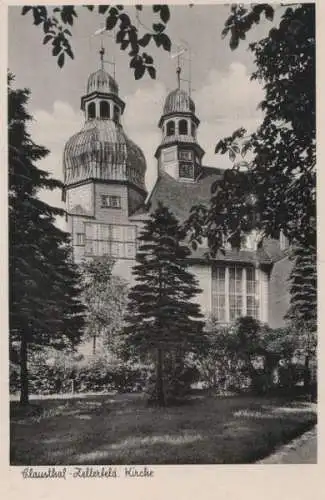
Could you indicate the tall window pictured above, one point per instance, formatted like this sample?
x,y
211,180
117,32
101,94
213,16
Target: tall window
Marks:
x,y
170,129
235,292
182,127
80,239
219,293
118,241
91,110
193,129
104,109
116,114
251,292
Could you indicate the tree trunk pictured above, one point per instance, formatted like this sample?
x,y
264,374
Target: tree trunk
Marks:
x,y
94,344
24,400
160,395
307,374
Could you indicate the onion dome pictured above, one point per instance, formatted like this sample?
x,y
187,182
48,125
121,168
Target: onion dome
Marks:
x,y
178,101
102,150
101,81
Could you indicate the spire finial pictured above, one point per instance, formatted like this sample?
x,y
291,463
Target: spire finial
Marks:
x,y
178,54
178,72
101,53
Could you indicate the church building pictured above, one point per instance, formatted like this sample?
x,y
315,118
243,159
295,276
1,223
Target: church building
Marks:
x,y
107,203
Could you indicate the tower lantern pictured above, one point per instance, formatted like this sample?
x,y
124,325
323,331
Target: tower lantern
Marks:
x,y
179,153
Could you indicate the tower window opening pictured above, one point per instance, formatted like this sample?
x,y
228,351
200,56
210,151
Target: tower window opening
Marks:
x,y
186,171
108,201
185,155
104,109
170,128
193,130
80,239
91,110
116,114
182,127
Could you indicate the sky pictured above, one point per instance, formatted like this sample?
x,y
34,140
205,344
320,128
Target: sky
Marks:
x,y
225,97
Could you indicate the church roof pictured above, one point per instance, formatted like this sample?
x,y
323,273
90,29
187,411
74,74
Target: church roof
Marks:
x,y
101,81
101,150
180,198
178,101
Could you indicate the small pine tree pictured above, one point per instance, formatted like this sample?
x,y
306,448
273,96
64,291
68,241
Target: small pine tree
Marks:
x,y
302,312
164,323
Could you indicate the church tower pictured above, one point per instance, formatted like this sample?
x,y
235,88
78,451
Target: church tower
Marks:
x,y
104,175
179,153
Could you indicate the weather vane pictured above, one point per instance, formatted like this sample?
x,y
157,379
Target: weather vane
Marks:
x,y
100,32
180,51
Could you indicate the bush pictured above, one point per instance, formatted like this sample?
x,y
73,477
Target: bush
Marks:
x,y
250,355
101,375
180,373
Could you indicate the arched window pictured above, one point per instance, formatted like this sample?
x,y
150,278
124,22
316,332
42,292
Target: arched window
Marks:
x,y
91,110
104,109
116,114
182,127
193,129
170,127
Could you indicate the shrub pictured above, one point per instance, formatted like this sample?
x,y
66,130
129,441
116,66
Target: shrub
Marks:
x,y
250,355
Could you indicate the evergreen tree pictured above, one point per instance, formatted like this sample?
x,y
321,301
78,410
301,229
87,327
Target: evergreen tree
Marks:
x,y
163,321
44,304
302,312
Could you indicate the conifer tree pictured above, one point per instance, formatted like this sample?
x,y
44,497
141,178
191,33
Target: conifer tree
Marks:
x,y
44,301
164,323
302,312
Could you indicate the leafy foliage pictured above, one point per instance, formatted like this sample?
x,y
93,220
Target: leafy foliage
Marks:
x,y
250,355
44,305
105,297
57,21
163,319
54,372
277,189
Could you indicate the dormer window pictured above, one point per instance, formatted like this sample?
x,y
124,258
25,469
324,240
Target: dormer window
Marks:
x,y
104,109
185,155
182,127
186,171
91,111
170,128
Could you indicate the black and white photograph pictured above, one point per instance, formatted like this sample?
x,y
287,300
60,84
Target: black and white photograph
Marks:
x,y
162,237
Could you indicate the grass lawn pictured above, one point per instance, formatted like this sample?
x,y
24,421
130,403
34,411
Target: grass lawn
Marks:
x,y
121,429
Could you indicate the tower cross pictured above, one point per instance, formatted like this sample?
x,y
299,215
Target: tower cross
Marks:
x,y
102,53
178,71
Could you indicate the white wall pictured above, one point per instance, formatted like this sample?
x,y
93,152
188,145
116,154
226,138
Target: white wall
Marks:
x,y
203,274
